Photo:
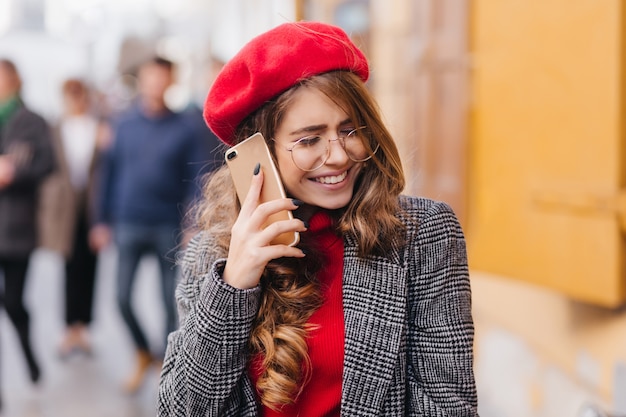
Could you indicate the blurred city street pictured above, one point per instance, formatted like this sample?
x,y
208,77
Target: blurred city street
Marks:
x,y
79,386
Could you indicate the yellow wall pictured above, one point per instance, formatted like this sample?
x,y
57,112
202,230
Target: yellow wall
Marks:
x,y
545,173
546,144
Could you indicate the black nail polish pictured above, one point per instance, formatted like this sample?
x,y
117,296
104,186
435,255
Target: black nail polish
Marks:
x,y
257,168
297,202
306,224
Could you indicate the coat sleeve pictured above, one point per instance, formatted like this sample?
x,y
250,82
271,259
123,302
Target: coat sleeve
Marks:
x,y
204,368
441,332
104,192
33,154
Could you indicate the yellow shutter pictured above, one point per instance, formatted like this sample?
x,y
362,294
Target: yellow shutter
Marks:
x,y
546,152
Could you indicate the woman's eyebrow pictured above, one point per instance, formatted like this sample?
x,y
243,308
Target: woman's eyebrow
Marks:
x,y
316,128
309,129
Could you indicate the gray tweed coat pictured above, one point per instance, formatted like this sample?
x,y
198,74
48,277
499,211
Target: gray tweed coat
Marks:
x,y
408,323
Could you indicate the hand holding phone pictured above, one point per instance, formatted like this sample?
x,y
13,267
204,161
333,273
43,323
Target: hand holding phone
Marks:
x,y
241,160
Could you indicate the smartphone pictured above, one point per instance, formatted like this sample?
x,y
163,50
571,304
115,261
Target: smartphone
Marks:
x,y
241,160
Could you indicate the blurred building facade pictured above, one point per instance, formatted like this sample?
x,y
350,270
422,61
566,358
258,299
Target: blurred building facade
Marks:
x,y
512,112
546,181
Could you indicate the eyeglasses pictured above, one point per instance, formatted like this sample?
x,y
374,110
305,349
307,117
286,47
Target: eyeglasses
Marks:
x,y
311,152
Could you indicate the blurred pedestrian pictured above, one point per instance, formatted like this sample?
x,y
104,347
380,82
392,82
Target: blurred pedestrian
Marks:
x,y
67,207
148,179
26,158
370,315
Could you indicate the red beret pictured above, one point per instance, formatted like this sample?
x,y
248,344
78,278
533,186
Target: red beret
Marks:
x,y
273,62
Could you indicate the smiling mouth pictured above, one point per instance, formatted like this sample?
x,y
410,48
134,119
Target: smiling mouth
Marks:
x,y
334,179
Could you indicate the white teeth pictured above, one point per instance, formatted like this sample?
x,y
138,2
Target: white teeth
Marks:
x,y
333,179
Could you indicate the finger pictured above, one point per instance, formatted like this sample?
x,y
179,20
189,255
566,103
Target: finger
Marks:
x,y
254,192
266,209
271,212
273,230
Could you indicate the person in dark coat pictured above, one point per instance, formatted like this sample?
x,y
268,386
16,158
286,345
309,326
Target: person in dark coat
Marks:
x,y
26,158
146,182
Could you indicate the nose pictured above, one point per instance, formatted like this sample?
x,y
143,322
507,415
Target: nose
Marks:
x,y
336,153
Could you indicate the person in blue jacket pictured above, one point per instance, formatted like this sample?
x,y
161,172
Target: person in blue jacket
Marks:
x,y
148,179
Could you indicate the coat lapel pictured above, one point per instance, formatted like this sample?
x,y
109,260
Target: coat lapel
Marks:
x,y
374,303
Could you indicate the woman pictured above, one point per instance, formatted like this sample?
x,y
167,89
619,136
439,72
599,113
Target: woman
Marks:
x,y
65,219
370,314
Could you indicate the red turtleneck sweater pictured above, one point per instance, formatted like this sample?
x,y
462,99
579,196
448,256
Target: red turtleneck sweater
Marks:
x,y
321,397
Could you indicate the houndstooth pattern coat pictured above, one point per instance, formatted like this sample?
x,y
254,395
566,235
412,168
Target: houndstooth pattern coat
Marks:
x,y
408,328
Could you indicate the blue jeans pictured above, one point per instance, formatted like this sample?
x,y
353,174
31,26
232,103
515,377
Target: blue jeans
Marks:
x,y
133,242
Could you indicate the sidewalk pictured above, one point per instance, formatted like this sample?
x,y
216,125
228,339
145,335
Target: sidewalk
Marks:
x,y
79,386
